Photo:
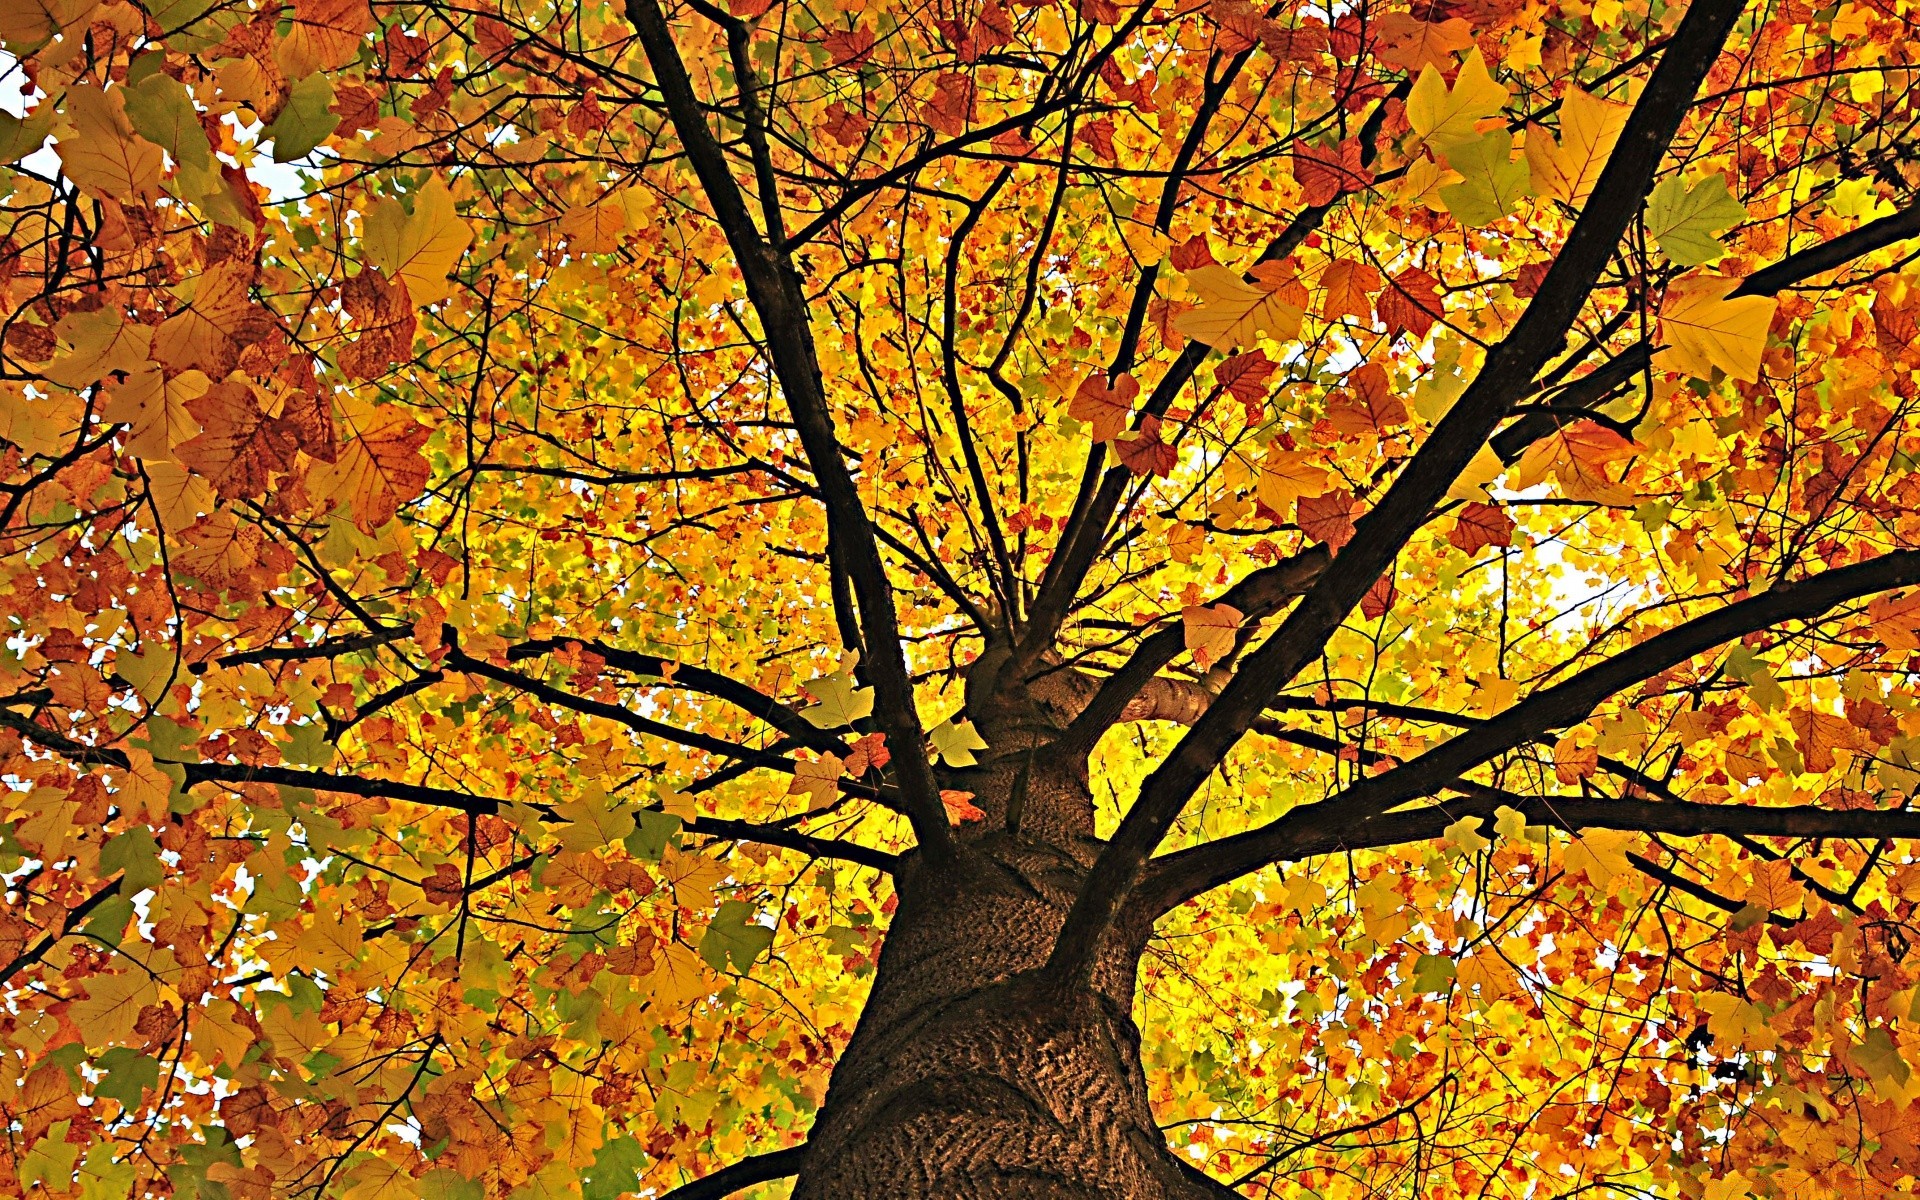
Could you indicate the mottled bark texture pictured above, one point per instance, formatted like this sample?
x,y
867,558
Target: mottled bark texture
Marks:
x,y
970,1075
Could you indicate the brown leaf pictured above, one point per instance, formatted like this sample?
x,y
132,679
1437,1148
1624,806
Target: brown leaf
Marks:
x,y
1328,518
1411,303
1481,525
240,446
1379,598
1325,173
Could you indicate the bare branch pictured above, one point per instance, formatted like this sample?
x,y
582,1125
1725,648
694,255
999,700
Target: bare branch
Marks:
x,y
1343,817
1508,372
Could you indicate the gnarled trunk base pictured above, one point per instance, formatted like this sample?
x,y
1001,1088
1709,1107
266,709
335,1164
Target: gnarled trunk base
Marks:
x,y
970,1076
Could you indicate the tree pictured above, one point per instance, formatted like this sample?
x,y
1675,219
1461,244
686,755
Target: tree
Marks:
x,y
1019,600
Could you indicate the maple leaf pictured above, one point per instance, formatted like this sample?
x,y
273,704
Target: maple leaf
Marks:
x,y
1480,525
1567,169
1328,518
1446,117
1210,631
418,248
1702,329
1108,408
1233,313
1409,42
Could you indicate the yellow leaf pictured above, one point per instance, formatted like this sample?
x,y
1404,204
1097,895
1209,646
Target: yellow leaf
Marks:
x,y
201,335
1286,475
98,344
180,496
113,1004
1566,170
379,466
1210,632
103,155
1601,853
156,408
1736,1024
1774,889
1573,762
1446,117
420,247
679,977
593,228
818,779
1233,312
1703,329
27,24
1465,836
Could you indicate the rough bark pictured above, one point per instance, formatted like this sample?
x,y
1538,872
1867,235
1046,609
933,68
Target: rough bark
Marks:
x,y
968,1076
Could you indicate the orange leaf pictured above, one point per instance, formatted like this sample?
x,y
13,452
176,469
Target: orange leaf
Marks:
x,y
1481,525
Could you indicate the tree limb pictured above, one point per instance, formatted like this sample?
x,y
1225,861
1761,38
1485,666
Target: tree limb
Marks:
x,y
778,297
1506,375
760,1168
1341,819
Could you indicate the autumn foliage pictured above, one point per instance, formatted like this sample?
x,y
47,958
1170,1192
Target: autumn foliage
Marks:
x,y
538,541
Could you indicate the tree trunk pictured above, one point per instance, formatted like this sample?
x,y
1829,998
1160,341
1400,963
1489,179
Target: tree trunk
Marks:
x,y
968,1075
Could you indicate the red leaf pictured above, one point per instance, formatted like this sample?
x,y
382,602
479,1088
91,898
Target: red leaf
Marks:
x,y
1481,525
1192,253
1411,303
1247,376
1531,276
849,46
1143,452
1325,173
1379,598
1328,518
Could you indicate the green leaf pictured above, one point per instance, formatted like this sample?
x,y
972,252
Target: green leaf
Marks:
x,y
955,741
109,921
1433,973
308,746
733,937
615,1170
1494,181
51,1161
136,855
20,137
652,834
306,120
1683,221
841,704
128,1074
163,113
448,1185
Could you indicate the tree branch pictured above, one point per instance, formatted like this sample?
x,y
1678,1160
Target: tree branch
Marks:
x,y
760,1168
778,297
1591,389
1508,372
1342,818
